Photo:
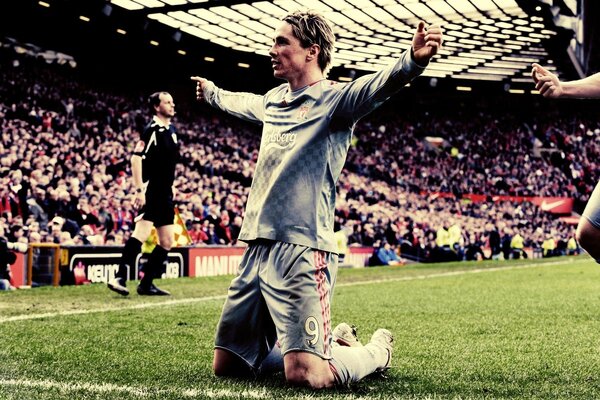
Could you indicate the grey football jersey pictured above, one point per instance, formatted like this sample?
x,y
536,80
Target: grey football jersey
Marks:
x,y
305,139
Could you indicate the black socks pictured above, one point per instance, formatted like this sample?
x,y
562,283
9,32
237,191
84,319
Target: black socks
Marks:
x,y
132,248
153,267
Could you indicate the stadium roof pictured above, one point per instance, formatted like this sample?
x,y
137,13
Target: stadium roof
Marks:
x,y
490,40
489,44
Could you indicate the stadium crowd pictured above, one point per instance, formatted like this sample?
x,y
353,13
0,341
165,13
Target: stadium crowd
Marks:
x,y
64,166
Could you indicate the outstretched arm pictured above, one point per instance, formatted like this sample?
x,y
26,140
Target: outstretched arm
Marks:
x,y
247,106
369,91
550,86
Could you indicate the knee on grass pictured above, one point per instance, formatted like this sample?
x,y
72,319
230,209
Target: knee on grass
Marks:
x,y
308,370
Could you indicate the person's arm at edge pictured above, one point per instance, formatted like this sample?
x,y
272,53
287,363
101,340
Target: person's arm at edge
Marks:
x,y
550,86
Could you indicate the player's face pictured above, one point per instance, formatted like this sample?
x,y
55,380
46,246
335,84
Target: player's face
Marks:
x,y
288,57
166,108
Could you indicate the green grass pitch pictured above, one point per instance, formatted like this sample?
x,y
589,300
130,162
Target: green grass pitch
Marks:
x,y
511,330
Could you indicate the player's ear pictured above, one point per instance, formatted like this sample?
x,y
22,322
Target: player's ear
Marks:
x,y
313,51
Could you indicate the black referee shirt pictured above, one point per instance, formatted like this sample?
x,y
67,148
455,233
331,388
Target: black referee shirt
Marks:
x,y
160,156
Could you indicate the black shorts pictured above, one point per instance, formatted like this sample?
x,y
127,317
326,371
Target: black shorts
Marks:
x,y
159,210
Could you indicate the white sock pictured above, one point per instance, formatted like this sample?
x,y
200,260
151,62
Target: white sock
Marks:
x,y
351,364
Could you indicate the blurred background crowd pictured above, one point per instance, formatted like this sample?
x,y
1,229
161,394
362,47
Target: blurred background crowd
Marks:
x,y
65,148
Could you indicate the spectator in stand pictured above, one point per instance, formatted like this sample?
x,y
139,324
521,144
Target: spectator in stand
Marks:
x,y
17,234
5,205
5,278
55,229
506,239
123,215
84,214
356,237
211,234
494,241
196,233
549,246
517,245
473,250
548,84
19,187
37,212
236,227
104,216
7,258
385,255
572,246
65,239
153,170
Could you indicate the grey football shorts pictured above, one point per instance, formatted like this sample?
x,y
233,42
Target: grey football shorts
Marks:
x,y
282,293
592,209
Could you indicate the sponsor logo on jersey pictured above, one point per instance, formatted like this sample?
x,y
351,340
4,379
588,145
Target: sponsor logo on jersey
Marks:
x,y
280,140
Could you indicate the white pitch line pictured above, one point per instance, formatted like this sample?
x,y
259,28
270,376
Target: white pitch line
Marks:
x,y
453,273
24,317
105,388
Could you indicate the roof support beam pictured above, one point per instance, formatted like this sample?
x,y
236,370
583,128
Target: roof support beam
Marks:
x,y
187,7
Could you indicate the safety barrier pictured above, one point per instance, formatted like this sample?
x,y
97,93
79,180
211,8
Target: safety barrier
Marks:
x,y
51,264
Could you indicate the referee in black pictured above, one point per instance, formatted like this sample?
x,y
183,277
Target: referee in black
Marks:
x,y
153,169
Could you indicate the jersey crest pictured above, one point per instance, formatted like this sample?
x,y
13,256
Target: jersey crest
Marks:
x,y
304,110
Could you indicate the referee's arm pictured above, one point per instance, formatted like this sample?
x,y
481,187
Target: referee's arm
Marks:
x,y
138,184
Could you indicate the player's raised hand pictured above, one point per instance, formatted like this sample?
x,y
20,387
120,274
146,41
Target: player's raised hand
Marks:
x,y
546,82
199,87
426,42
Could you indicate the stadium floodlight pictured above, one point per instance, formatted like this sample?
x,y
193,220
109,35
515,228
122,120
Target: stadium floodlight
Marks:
x,y
462,61
183,17
202,34
440,66
128,4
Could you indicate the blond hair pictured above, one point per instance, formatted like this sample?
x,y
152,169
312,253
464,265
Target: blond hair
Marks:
x,y
312,28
